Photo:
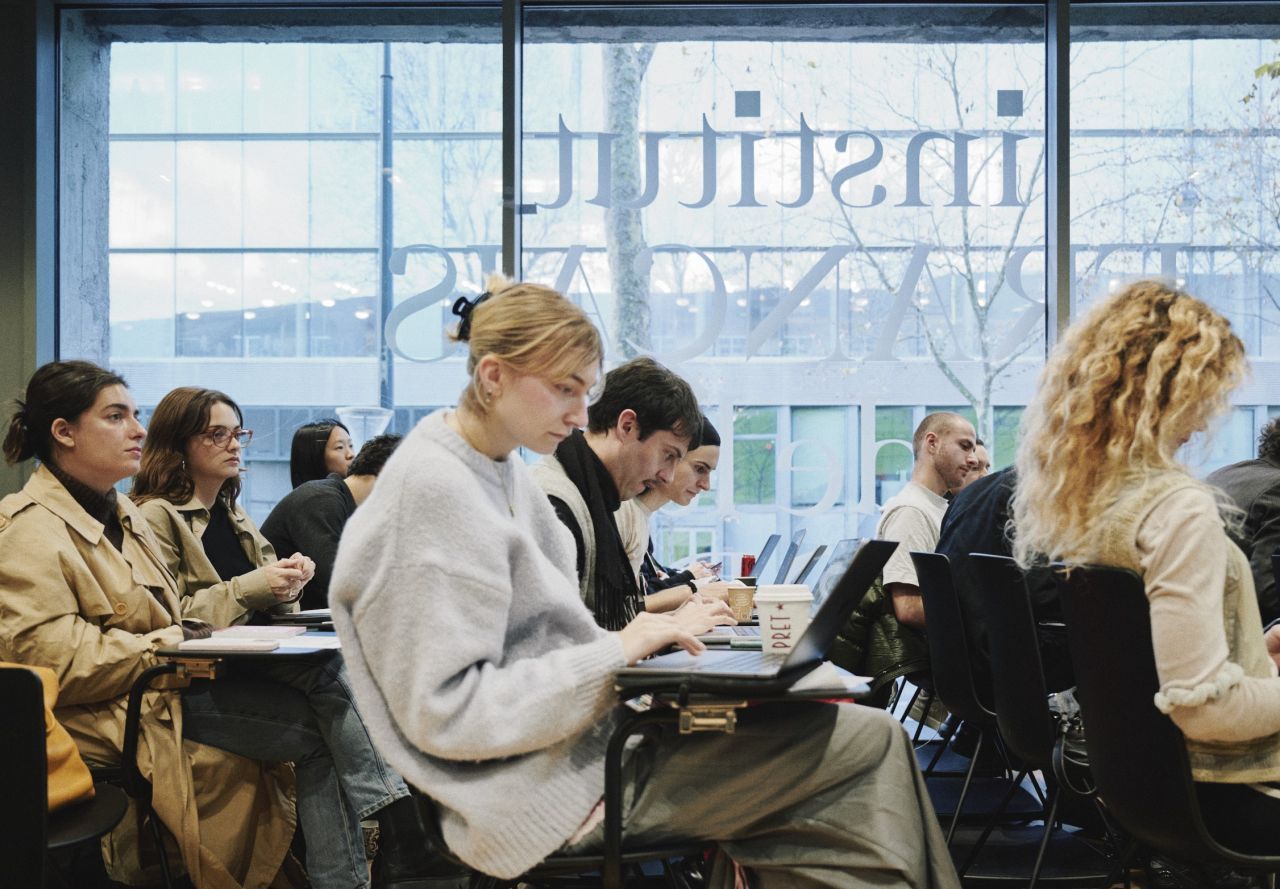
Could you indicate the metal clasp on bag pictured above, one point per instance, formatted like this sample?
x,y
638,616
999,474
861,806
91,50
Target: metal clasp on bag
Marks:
x,y
198,668
713,716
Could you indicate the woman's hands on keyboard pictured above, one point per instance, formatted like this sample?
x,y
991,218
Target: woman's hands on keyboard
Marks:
x,y
649,633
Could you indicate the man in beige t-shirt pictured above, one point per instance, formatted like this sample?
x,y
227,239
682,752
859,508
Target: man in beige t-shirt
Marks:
x,y
943,445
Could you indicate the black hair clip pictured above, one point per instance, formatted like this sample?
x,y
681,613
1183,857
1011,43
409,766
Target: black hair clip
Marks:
x,y
463,307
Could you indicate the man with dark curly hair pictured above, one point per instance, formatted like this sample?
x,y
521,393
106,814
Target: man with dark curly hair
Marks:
x,y
1254,486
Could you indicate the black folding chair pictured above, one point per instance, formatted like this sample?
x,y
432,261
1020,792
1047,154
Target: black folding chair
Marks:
x,y
953,682
1022,714
1138,757
28,831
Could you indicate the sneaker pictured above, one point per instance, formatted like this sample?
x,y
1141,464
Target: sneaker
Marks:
x,y
928,710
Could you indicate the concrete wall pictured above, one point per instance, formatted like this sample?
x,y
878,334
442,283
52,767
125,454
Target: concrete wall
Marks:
x,y
26,201
84,317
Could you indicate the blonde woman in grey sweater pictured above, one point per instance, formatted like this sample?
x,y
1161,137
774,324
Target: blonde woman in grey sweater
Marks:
x,y
487,683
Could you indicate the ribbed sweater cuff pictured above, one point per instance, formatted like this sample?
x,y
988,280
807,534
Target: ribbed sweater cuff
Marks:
x,y
594,664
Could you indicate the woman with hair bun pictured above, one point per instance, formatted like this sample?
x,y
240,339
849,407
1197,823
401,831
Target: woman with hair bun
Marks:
x,y
1099,482
320,448
86,595
488,684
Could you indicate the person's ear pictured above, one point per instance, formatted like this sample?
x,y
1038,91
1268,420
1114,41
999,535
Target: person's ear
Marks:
x,y
627,426
63,433
491,374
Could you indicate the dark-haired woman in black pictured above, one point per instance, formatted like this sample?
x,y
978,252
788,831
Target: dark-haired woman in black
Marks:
x,y
320,448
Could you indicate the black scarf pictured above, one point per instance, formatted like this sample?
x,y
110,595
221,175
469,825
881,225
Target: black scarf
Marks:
x,y
617,597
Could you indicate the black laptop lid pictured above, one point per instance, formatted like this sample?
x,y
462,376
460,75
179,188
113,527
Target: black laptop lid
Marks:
x,y
769,546
810,564
792,548
812,647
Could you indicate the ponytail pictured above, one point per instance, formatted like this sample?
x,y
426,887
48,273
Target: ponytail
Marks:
x,y
17,446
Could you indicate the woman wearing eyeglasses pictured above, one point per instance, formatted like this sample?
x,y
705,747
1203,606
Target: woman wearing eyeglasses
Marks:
x,y
187,490
227,572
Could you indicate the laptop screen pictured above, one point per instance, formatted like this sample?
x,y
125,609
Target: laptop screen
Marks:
x,y
809,564
769,546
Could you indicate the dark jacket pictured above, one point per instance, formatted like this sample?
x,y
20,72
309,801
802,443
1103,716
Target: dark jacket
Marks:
x,y
309,520
873,643
1254,485
975,523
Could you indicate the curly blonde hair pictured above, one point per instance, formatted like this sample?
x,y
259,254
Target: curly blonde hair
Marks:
x,y
1123,390
534,329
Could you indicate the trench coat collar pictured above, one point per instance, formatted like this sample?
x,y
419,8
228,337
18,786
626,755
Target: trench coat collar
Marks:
x,y
196,512
44,488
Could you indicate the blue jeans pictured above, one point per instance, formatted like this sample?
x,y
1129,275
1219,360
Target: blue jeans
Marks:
x,y
302,711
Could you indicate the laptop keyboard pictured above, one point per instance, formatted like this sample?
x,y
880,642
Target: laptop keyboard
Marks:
x,y
746,661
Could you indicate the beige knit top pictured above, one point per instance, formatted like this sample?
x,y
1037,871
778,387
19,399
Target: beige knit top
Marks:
x,y
1217,682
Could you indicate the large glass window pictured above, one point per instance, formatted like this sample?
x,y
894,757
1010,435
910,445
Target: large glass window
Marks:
x,y
1174,160
796,211
254,196
828,217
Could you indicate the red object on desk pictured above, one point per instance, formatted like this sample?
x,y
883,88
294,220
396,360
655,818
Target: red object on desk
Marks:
x,y
748,565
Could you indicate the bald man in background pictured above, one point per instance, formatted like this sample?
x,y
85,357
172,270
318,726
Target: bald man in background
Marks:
x,y
944,446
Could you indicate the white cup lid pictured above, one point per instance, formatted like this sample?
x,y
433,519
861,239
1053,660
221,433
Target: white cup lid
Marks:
x,y
784,592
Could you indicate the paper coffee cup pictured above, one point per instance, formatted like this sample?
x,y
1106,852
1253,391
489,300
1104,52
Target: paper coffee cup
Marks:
x,y
740,601
784,615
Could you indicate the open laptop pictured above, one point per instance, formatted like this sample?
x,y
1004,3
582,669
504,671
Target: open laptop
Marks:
x,y
769,546
754,673
810,564
788,558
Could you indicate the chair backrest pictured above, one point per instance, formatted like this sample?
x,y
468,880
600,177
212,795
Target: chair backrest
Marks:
x,y
24,776
1017,678
948,645
1138,757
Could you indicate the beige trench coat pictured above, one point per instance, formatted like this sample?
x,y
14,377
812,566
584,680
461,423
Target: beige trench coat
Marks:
x,y
95,615
205,595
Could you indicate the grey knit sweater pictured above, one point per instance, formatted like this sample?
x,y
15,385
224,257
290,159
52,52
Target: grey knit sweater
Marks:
x,y
482,677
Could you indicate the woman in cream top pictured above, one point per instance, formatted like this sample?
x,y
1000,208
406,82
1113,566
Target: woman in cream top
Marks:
x,y
1099,482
